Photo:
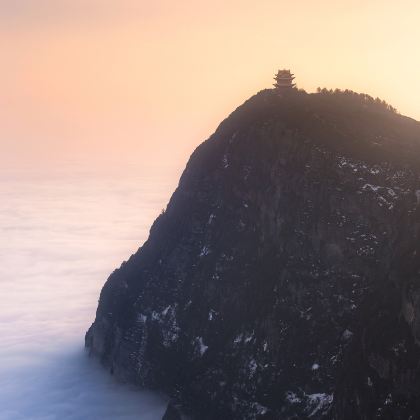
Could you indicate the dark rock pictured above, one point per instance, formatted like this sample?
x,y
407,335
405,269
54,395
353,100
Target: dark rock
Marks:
x,y
173,412
282,281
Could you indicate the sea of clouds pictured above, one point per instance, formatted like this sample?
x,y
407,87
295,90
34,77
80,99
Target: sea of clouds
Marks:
x,y
60,237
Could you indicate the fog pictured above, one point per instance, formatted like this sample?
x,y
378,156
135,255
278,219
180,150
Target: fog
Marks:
x,y
61,236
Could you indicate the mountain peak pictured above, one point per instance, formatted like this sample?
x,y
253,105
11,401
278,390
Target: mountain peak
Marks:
x,y
280,282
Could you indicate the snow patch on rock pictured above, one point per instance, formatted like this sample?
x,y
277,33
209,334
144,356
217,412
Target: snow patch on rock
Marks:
x,y
318,403
201,347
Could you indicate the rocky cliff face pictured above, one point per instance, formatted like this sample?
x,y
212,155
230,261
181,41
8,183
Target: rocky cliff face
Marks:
x,y
282,281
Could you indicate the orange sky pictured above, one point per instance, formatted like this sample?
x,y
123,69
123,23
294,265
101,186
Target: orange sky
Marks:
x,y
135,81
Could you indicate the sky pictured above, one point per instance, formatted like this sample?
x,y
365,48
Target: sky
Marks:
x,y
144,82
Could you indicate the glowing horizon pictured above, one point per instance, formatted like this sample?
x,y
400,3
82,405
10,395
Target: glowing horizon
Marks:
x,y
133,81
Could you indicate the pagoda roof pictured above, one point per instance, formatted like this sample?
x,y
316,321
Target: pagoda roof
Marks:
x,y
284,74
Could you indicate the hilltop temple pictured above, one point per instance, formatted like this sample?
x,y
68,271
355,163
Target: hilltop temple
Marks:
x,y
284,81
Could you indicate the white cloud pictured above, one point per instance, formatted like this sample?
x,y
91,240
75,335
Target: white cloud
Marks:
x,y
60,236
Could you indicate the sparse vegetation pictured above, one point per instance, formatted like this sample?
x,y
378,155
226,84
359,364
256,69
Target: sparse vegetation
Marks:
x,y
358,98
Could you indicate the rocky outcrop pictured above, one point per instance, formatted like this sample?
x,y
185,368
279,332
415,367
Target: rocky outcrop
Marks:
x,y
173,412
282,281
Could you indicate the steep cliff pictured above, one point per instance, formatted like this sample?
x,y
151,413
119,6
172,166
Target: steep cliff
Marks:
x,y
282,281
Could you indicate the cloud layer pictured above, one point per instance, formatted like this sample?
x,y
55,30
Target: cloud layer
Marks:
x,y
59,239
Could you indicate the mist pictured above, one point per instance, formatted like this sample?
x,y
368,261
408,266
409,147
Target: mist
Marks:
x,y
61,236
